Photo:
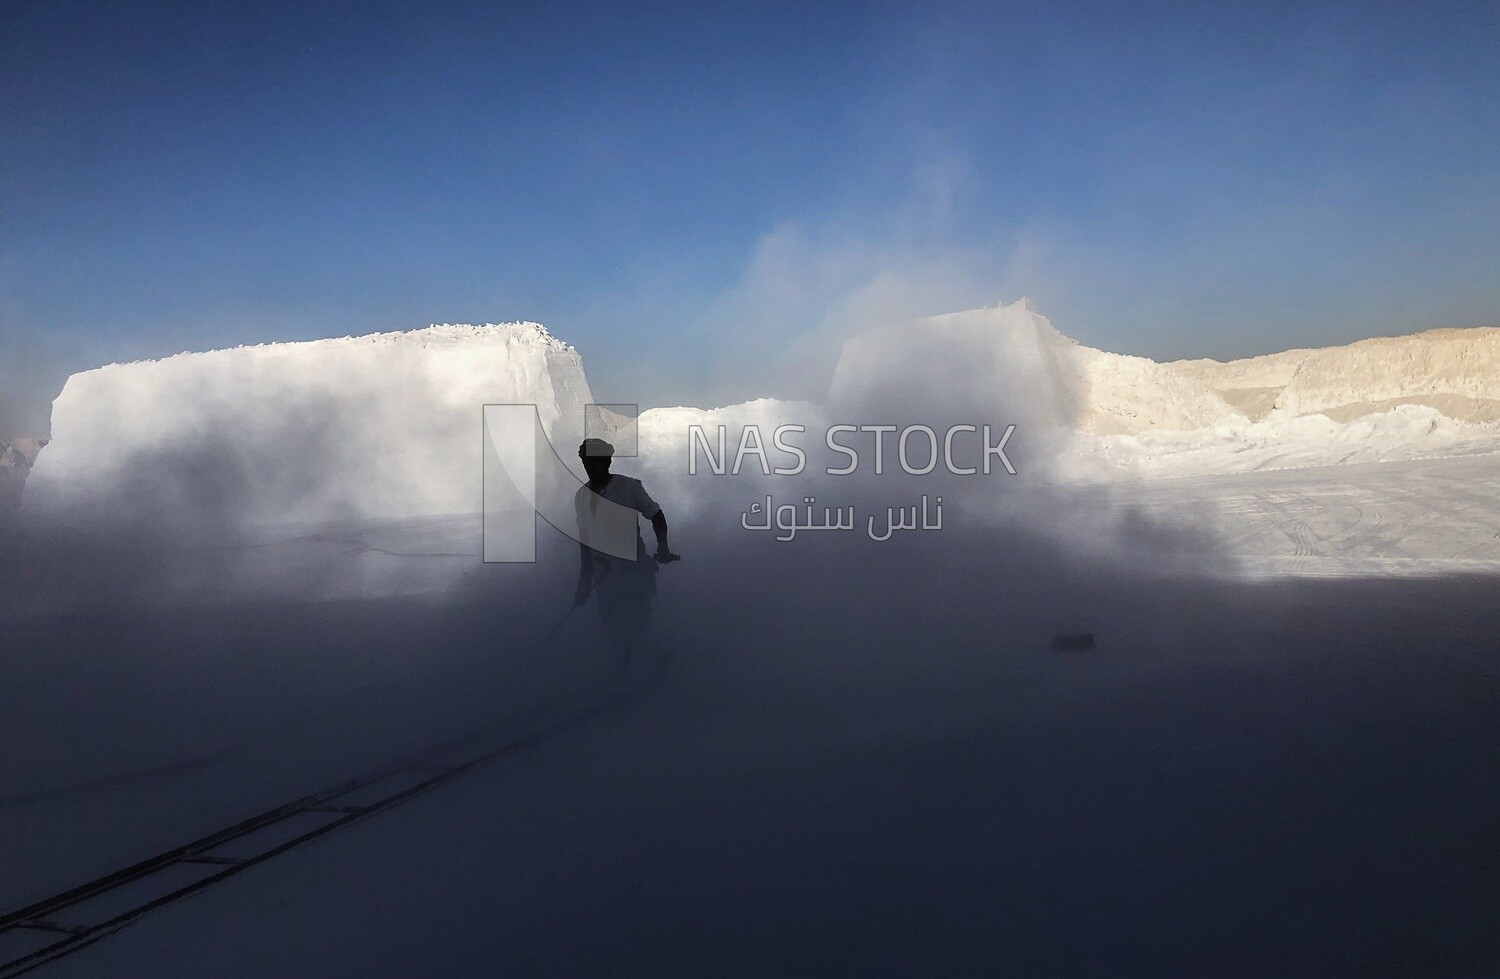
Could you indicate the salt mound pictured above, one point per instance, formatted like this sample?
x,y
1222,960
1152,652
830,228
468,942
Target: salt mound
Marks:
x,y
389,424
1265,371
1249,386
372,426
665,432
1008,363
1117,394
1455,371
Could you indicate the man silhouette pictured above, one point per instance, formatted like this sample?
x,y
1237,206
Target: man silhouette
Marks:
x,y
624,587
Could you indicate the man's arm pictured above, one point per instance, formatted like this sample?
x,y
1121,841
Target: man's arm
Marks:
x,y
664,553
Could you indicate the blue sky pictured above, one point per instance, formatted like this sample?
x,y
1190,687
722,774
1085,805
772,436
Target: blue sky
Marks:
x,y
706,198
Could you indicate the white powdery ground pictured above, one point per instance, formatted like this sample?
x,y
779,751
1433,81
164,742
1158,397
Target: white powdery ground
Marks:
x,y
1281,441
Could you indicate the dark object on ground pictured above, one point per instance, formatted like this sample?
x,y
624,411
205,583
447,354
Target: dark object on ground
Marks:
x,y
1073,640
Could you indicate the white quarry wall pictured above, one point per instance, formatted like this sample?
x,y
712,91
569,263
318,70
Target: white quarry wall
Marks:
x,y
1267,371
1118,394
666,433
1432,367
1417,396
388,425
357,427
985,365
1010,362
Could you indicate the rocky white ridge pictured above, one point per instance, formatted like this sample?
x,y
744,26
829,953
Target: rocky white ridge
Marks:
x,y
1010,360
1003,364
355,427
1454,371
1113,415
387,425
1422,395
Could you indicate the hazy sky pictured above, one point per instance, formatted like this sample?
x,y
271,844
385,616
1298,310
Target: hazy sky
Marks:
x,y
704,198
